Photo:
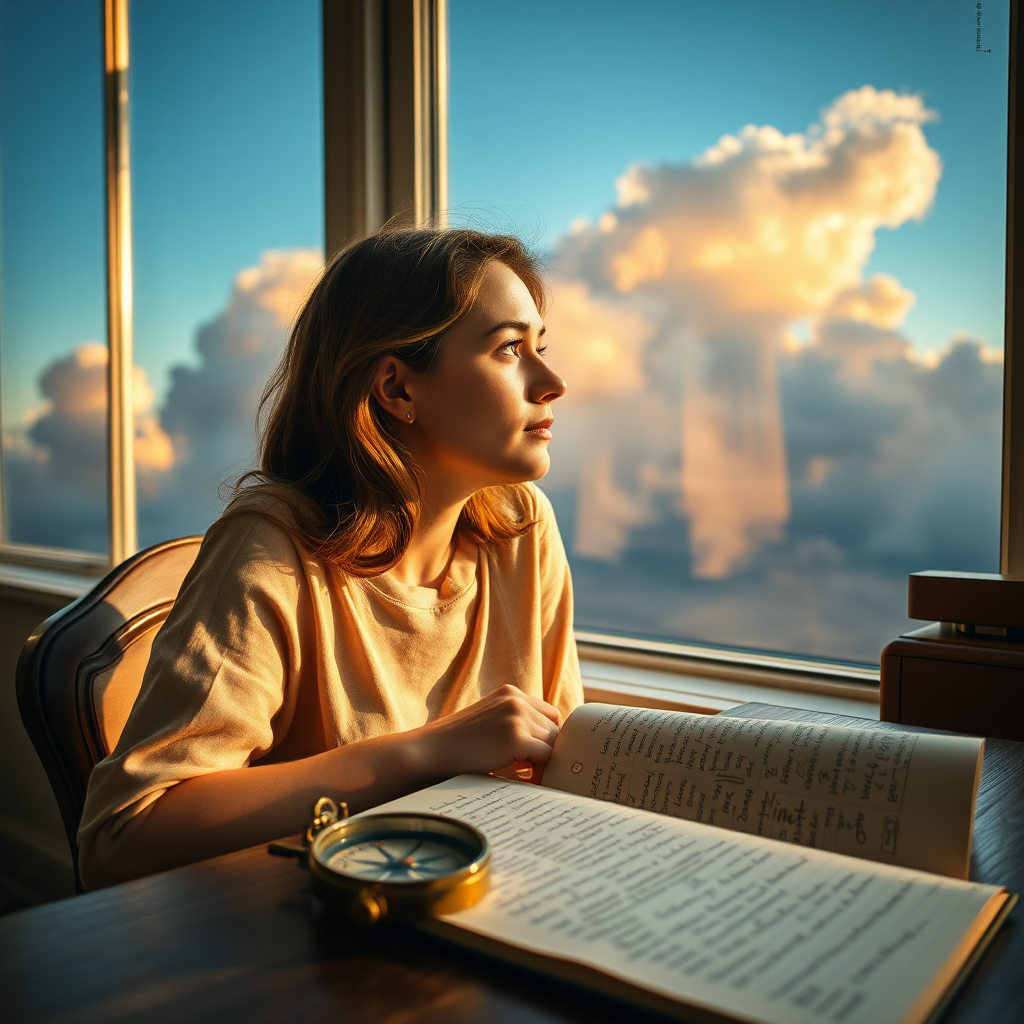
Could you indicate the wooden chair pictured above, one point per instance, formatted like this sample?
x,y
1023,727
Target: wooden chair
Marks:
x,y
80,671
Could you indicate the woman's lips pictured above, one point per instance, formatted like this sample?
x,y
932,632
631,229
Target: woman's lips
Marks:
x,y
541,430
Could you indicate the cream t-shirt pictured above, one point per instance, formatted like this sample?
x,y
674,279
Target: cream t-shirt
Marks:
x,y
271,654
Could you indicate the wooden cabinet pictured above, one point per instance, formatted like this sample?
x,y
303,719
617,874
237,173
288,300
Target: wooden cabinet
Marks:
x,y
942,679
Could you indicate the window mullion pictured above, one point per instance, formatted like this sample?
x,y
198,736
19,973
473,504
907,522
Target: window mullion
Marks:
x,y
385,114
121,465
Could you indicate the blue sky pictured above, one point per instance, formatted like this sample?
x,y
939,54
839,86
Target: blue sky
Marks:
x,y
551,101
227,155
227,162
54,268
549,104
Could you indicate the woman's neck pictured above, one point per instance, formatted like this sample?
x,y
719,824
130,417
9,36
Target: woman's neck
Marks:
x,y
430,551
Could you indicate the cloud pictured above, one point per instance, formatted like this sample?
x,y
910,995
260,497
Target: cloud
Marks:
x,y
237,350
763,223
56,466
912,451
209,411
605,341
605,510
70,429
882,302
891,469
719,256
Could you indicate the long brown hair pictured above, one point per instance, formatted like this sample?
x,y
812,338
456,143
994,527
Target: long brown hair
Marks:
x,y
346,486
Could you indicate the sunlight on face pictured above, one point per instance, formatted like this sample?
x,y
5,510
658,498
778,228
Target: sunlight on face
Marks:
x,y
483,410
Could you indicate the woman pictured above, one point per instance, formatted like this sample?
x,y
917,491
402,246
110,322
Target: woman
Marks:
x,y
387,602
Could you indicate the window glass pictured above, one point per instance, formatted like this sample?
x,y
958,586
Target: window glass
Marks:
x,y
53,327
228,233
776,234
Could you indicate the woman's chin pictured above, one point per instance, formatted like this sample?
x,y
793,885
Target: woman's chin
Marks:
x,y
522,473
538,468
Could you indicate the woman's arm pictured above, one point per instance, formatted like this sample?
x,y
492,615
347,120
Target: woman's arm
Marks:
x,y
212,814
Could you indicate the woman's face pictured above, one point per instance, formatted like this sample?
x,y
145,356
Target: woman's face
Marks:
x,y
482,414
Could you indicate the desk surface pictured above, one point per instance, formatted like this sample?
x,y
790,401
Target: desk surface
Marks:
x,y
240,938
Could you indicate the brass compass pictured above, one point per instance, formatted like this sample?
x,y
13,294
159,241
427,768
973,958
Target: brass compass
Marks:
x,y
398,866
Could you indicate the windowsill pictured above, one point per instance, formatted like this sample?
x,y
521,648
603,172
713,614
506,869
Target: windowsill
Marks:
x,y
35,582
686,677
679,691
640,673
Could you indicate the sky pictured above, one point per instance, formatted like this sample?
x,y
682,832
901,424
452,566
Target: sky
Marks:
x,y
54,266
226,163
227,156
550,104
776,237
718,479
777,234
552,101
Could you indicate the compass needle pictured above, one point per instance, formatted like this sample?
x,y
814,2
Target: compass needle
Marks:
x,y
392,859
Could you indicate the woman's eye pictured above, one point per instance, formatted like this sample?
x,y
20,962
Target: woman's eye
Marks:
x,y
512,347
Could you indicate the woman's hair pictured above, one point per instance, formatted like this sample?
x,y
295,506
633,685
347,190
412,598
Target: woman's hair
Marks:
x,y
345,485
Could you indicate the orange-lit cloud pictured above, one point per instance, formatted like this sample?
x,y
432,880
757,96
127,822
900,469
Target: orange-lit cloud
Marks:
x,y
605,510
595,343
720,255
70,429
882,302
769,224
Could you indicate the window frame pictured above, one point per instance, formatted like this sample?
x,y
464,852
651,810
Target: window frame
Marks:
x,y
385,96
1011,527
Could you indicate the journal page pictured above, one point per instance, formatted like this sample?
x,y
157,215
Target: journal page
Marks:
x,y
900,798
733,924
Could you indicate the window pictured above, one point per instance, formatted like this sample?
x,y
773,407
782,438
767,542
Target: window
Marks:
x,y
777,239
225,159
784,395
53,317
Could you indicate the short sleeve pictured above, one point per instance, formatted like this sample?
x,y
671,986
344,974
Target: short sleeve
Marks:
x,y
220,676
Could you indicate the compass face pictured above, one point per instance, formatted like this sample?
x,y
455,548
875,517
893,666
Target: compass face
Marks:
x,y
397,856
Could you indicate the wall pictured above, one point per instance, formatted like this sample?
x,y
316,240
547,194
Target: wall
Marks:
x,y
35,862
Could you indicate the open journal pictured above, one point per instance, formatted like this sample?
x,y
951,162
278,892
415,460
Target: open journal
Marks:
x,y
701,865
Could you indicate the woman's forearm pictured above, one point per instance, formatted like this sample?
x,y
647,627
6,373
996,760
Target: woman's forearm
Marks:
x,y
213,814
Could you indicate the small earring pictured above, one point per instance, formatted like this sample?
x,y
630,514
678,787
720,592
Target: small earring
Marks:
x,y
408,416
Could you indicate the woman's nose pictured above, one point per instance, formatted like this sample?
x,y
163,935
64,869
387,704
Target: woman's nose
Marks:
x,y
547,385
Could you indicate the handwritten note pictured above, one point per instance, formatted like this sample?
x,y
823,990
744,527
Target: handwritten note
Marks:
x,y
816,785
753,928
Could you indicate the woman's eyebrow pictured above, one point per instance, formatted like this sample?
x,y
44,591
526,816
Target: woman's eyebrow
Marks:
x,y
517,325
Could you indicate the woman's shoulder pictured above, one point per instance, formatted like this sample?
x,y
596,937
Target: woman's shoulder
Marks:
x,y
248,563
255,530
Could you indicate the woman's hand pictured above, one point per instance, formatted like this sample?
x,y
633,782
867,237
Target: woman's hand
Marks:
x,y
504,727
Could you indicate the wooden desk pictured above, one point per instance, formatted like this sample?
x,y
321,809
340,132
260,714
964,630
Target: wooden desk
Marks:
x,y
240,938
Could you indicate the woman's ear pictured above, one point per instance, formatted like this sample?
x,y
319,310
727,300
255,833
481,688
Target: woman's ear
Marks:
x,y
390,390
